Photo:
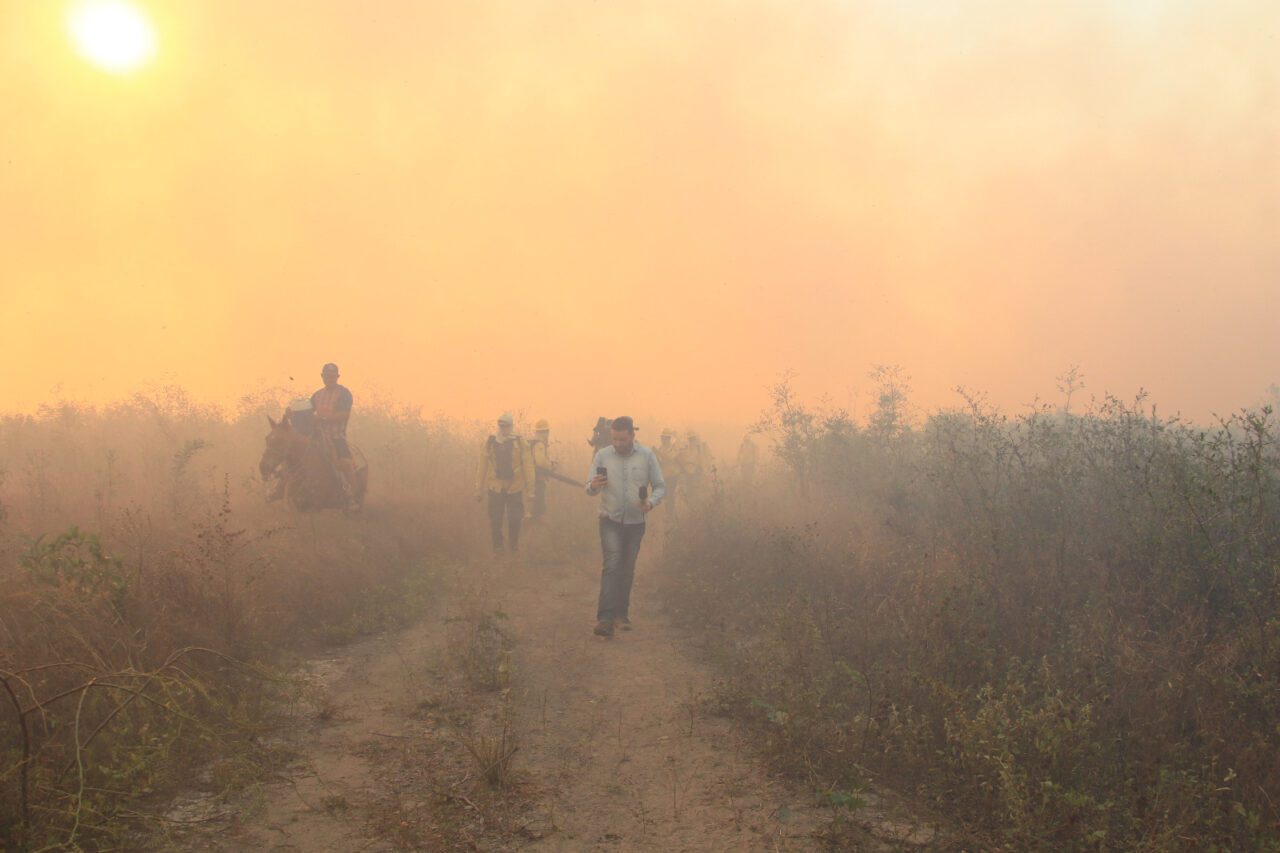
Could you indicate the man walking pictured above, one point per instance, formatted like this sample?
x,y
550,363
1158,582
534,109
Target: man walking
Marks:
x,y
504,473
628,479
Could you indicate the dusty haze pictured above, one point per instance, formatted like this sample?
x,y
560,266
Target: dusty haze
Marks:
x,y
477,207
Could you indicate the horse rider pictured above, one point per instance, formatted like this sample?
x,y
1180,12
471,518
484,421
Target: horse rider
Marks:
x,y
331,409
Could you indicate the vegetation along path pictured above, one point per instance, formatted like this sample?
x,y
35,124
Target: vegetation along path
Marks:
x,y
504,724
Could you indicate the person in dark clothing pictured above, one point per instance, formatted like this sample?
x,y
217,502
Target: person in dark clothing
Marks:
x,y
331,409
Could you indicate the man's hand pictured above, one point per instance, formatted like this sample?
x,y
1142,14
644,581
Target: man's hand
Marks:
x,y
598,482
646,507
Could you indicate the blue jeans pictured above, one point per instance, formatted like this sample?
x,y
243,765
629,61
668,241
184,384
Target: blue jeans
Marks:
x,y
621,545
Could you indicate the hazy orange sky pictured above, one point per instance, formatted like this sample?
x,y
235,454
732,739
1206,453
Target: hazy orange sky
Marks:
x,y
646,206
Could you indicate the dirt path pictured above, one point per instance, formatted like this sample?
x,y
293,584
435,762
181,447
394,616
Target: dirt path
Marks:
x,y
330,798
612,752
614,730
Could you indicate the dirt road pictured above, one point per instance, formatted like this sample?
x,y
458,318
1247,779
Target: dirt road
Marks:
x,y
612,748
615,729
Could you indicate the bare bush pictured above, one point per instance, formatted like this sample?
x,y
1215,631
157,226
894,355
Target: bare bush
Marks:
x,y
148,592
1063,629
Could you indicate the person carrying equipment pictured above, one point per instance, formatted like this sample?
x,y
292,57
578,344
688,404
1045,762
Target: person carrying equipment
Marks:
x,y
699,465
669,453
542,465
505,471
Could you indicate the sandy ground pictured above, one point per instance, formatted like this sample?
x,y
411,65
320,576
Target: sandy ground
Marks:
x,y
614,728
612,748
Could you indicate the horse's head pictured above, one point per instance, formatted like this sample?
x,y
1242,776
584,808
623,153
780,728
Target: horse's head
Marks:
x,y
279,440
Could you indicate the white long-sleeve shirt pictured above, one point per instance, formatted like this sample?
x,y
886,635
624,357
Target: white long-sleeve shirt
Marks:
x,y
620,497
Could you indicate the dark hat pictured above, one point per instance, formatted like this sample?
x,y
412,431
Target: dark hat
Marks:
x,y
624,424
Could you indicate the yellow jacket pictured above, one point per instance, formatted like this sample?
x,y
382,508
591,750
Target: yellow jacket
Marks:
x,y
538,450
521,463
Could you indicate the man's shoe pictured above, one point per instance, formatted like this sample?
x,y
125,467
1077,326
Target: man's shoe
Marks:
x,y
604,628
624,623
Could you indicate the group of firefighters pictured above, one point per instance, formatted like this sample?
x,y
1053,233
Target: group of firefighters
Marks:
x,y
511,467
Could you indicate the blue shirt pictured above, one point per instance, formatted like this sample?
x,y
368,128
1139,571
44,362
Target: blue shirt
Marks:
x,y
620,497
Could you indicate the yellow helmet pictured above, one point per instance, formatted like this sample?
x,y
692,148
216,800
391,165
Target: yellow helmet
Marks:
x,y
542,426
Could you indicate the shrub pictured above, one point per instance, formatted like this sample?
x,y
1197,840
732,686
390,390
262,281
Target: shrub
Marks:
x,y
140,642
1061,629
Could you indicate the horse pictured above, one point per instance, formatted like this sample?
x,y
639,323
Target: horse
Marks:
x,y
307,469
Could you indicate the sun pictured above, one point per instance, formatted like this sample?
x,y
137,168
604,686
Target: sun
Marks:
x,y
112,34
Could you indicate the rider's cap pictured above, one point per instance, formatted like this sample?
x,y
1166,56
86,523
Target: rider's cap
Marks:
x,y
542,426
505,419
329,368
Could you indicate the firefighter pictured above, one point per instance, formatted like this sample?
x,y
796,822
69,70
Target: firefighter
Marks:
x,y
669,457
539,449
699,465
504,473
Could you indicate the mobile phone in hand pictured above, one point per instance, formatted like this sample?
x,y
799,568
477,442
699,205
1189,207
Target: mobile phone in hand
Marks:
x,y
644,493
602,471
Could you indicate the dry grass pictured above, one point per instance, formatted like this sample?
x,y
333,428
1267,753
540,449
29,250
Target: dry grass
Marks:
x,y
494,754
1061,631
149,594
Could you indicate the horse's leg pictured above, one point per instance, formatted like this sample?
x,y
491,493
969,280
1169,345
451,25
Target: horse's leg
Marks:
x,y
301,495
279,491
320,482
362,486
